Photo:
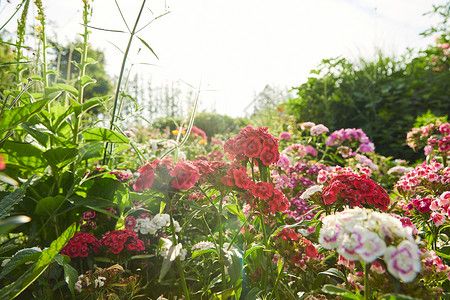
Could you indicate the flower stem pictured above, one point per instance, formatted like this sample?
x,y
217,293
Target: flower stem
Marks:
x,y
122,70
367,291
178,261
221,256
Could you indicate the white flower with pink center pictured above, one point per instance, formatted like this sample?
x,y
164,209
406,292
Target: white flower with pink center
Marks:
x,y
403,261
351,242
330,233
372,247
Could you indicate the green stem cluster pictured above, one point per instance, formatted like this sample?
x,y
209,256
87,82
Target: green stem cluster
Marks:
x,y
177,259
119,82
82,67
42,37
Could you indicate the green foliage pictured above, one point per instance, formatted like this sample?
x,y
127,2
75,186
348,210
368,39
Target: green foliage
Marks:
x,y
428,118
383,97
66,62
211,123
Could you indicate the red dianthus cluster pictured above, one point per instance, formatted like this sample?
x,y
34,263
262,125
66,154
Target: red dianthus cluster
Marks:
x,y
262,194
117,240
182,175
295,249
355,190
81,244
254,143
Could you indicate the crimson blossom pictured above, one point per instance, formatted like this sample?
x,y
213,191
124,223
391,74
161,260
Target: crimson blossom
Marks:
x,y
355,190
254,143
182,175
118,240
81,244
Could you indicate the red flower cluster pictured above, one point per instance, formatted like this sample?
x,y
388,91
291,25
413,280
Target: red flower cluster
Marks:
x,y
81,244
117,240
185,175
355,190
182,175
263,194
295,249
254,143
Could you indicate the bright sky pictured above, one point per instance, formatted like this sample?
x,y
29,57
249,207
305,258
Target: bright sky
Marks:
x,y
232,49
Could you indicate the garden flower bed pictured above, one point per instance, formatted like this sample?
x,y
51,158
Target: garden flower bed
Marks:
x,y
294,211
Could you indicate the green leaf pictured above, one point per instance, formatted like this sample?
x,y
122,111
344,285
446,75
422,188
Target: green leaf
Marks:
x,y
90,60
55,247
48,205
233,208
165,268
91,150
86,80
397,296
338,291
104,135
252,249
62,87
323,275
60,157
8,224
148,46
71,277
17,287
8,202
39,135
21,257
17,115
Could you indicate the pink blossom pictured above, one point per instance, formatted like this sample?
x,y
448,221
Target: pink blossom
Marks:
x,y
285,136
428,149
437,218
318,130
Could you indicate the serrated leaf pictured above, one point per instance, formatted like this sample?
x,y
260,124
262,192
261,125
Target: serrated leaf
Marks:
x,y
17,115
8,202
23,155
17,287
39,135
20,258
104,135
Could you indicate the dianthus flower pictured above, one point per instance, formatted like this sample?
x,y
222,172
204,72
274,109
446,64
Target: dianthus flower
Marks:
x,y
81,244
351,135
118,240
365,235
254,143
318,130
355,190
185,175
